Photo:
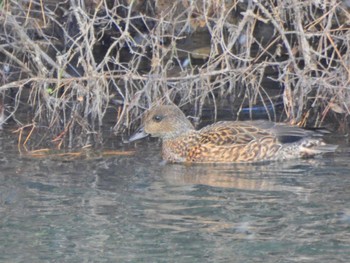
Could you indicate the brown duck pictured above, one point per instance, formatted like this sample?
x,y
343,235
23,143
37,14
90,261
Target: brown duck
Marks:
x,y
228,141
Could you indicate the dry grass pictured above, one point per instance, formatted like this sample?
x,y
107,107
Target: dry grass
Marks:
x,y
69,63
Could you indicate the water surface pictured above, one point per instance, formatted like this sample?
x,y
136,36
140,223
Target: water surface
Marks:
x,y
138,209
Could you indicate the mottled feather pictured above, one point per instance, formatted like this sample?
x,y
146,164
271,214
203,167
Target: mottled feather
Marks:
x,y
228,141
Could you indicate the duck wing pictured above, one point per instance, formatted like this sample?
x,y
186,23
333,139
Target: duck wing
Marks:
x,y
233,133
243,132
286,133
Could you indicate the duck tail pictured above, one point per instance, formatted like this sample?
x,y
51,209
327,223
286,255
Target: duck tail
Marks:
x,y
316,146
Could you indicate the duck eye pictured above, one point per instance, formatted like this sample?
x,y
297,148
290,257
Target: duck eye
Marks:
x,y
157,118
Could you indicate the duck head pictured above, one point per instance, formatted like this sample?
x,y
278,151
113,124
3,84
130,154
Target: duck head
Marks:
x,y
165,122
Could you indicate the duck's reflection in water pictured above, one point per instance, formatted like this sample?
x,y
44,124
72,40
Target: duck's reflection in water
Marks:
x,y
239,201
258,177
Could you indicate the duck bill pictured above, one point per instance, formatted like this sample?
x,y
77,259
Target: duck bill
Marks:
x,y
139,134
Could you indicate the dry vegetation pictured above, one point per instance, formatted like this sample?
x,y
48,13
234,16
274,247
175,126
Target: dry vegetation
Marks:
x,y
66,64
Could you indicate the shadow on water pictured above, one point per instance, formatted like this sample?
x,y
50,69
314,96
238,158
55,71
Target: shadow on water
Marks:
x,y
138,209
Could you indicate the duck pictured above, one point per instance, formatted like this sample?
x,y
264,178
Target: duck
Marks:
x,y
228,141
